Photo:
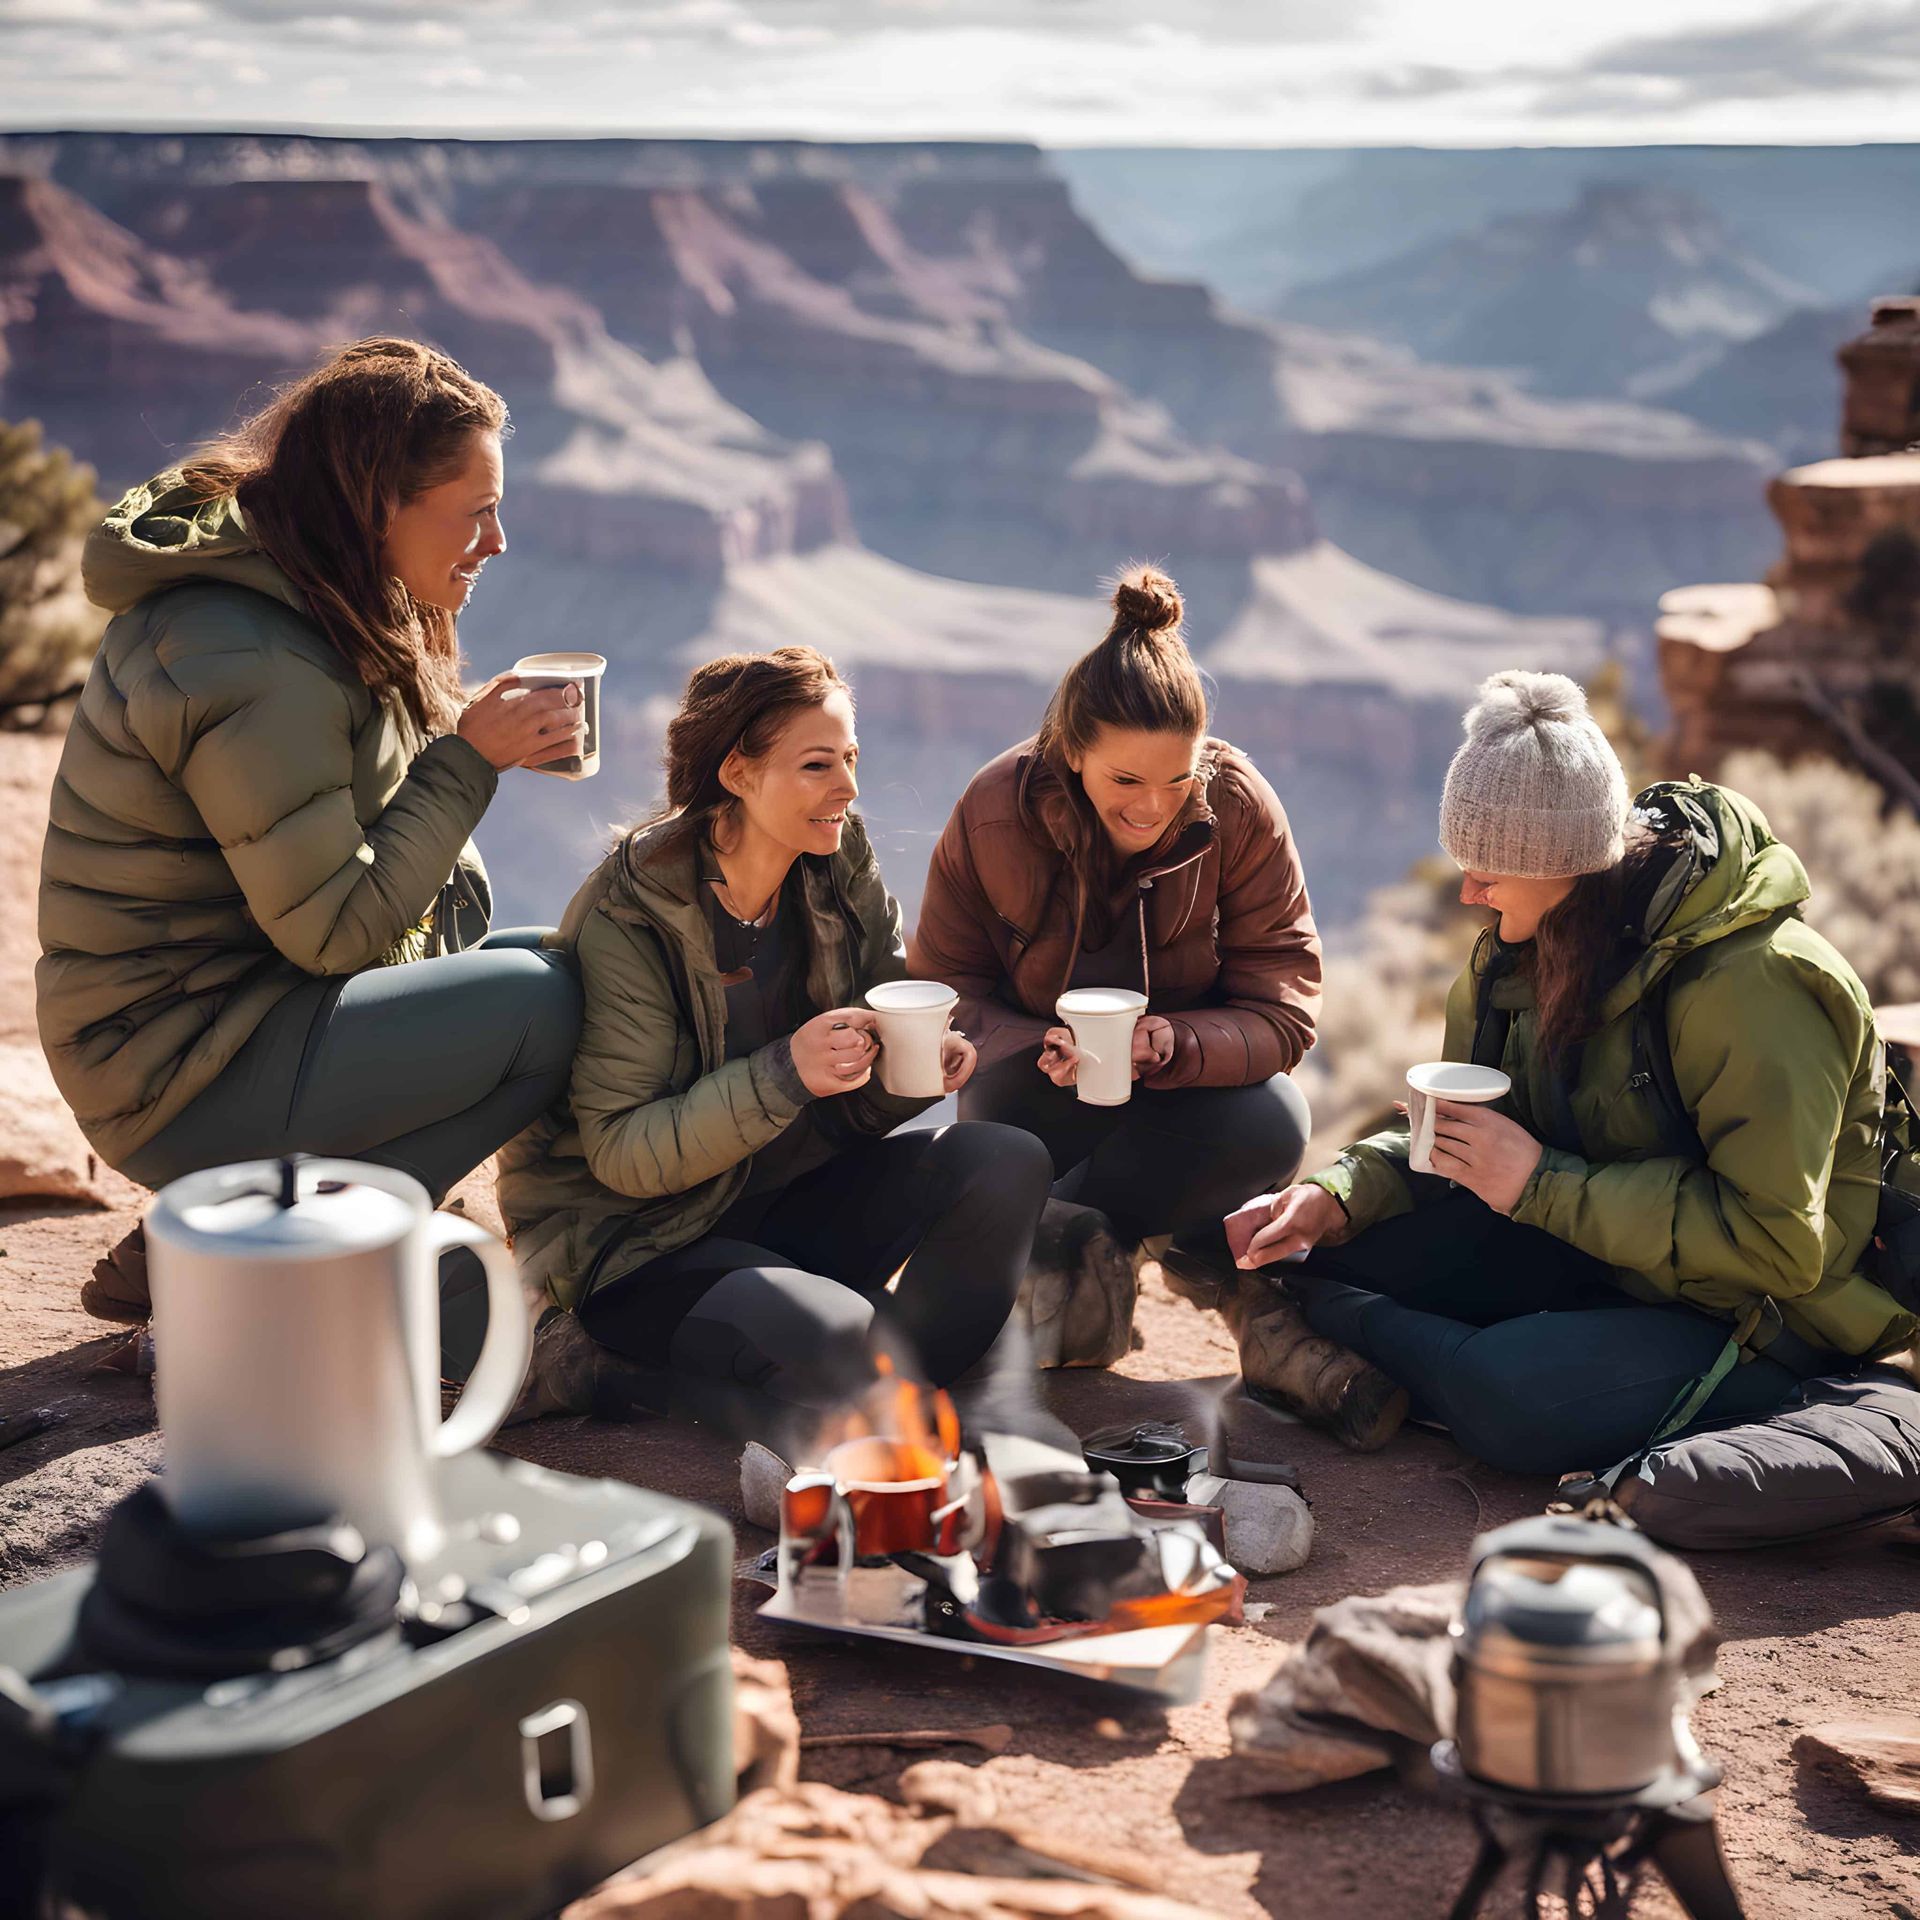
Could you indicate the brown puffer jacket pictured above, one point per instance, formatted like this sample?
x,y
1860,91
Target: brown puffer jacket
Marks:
x,y
1228,949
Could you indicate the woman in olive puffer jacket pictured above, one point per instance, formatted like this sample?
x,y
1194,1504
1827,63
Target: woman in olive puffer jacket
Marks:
x,y
265,801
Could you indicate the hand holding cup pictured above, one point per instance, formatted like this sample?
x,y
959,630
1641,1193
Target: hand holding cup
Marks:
x,y
958,1058
1152,1044
510,724
1059,1057
835,1051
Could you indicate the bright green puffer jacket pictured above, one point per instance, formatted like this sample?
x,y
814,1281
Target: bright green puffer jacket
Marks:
x,y
234,813
655,1136
1777,1062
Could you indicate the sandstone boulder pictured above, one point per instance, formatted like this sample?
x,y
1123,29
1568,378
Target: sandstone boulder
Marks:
x,y
1879,1758
43,1154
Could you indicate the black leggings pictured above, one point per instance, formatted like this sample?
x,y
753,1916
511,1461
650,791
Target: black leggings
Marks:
x,y
759,1335
1522,1345
1165,1162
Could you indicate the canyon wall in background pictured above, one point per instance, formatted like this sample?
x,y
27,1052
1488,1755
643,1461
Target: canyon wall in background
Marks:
x,y
910,403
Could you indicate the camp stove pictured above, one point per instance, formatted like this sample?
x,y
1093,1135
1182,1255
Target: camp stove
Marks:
x,y
1578,1651
1010,1549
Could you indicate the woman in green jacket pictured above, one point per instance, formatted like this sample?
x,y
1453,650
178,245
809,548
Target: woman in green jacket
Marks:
x,y
1665,1220
265,800
720,1198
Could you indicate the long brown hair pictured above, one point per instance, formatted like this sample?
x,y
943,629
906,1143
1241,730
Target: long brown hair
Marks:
x,y
1140,677
739,701
319,473
1583,946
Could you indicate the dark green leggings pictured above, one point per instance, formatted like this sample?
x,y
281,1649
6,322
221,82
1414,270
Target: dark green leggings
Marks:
x,y
1523,1346
429,1067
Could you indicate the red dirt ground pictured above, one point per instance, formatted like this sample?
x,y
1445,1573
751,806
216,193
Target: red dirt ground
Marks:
x,y
1810,1635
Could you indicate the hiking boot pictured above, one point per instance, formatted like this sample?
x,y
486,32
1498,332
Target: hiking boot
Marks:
x,y
1193,1279
571,1372
1284,1363
117,1287
1078,1296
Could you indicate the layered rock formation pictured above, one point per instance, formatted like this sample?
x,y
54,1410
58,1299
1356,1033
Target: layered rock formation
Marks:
x,y
1645,283
894,300
731,365
1881,413
90,316
1822,655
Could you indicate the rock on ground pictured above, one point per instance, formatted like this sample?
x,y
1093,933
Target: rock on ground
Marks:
x,y
1879,1758
43,1154
1269,1528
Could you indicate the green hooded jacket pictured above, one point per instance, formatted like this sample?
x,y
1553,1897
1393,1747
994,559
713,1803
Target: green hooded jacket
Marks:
x,y
653,1140
1776,1059
234,812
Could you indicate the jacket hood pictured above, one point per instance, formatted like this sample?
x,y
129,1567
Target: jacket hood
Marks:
x,y
161,535
1752,876
1738,874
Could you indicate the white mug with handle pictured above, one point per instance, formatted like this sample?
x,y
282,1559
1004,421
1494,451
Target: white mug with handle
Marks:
x,y
1103,1020
913,1018
296,1332
1445,1080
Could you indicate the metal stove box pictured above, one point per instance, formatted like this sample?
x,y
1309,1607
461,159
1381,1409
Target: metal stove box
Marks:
x,y
564,1706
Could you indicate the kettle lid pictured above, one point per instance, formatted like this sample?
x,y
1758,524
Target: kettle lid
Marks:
x,y
291,1208
1559,1611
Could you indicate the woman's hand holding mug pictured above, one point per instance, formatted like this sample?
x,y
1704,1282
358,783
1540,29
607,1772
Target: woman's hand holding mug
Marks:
x,y
1482,1150
1282,1226
1152,1044
1152,1049
510,725
958,1058
1059,1057
835,1051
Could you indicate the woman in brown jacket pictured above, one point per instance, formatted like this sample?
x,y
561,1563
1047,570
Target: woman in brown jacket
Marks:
x,y
1124,846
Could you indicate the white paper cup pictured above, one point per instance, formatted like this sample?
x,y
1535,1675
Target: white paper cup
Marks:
x,y
1445,1080
582,670
1103,1020
913,1025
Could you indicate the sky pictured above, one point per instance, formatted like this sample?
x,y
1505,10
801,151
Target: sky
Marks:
x,y
1063,72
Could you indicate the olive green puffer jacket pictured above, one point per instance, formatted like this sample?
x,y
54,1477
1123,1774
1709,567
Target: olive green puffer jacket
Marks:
x,y
234,812
656,1134
1776,1059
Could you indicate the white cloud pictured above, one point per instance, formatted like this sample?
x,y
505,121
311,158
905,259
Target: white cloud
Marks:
x,y
1124,71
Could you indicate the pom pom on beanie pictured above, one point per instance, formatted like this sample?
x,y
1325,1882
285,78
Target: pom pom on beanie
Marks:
x,y
1536,791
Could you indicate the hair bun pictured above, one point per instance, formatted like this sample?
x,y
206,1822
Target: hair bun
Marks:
x,y
1146,598
1517,699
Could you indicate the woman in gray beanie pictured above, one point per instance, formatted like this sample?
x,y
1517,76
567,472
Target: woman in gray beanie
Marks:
x,y
1669,1219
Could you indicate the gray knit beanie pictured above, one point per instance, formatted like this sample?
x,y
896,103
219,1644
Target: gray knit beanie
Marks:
x,y
1536,792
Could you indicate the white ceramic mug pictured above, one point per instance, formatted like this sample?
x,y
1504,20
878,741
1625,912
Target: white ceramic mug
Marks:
x,y
1444,1080
296,1333
1103,1020
582,670
913,1019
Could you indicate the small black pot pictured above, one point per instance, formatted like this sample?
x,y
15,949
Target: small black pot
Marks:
x,y
1152,1460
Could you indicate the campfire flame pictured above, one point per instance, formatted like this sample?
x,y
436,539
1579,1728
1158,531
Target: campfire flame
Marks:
x,y
917,1426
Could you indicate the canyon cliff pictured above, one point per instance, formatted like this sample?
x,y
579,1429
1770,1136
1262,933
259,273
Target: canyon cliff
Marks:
x,y
1819,656
905,402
